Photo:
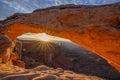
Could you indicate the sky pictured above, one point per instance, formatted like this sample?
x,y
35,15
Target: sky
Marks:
x,y
9,7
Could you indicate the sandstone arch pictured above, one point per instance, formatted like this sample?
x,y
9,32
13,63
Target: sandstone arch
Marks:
x,y
96,39
96,28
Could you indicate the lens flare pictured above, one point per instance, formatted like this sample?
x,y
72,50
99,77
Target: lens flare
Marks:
x,y
44,37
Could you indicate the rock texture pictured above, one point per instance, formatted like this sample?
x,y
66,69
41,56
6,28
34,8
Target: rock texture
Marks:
x,y
6,55
44,73
35,53
96,28
5,49
64,55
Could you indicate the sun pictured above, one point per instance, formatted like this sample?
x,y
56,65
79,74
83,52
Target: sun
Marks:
x,y
44,37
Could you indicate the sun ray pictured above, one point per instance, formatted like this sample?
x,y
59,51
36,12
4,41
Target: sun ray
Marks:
x,y
44,37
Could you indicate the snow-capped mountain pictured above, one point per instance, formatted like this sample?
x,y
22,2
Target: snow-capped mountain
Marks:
x,y
9,7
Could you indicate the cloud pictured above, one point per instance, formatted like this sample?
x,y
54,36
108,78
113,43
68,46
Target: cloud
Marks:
x,y
16,6
9,7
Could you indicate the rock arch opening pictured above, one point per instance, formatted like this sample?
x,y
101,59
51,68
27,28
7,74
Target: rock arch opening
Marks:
x,y
95,33
60,52
87,37
106,46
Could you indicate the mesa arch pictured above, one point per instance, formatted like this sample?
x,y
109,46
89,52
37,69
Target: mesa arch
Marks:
x,y
103,41
96,28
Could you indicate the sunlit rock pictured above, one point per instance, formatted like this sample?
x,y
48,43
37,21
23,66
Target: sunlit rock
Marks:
x,y
61,52
81,24
96,28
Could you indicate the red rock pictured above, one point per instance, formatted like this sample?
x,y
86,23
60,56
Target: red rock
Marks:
x,y
5,48
95,28
49,74
18,63
14,56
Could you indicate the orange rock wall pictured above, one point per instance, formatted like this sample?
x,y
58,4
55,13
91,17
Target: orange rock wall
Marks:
x,y
96,39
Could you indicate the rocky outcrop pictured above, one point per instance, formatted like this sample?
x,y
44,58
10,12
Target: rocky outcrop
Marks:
x,y
14,57
96,28
6,55
5,49
45,73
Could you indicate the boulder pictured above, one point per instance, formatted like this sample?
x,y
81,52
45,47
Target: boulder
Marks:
x,y
5,48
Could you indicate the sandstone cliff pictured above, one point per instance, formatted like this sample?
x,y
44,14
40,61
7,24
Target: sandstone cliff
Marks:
x,y
96,28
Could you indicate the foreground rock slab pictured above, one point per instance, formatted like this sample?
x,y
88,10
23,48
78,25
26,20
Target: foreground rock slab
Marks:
x,y
44,73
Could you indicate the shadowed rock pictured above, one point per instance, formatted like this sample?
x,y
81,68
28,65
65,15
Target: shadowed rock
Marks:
x,y
6,55
5,49
95,28
46,73
66,55
35,53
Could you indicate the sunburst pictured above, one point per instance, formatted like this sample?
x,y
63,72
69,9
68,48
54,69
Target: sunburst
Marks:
x,y
44,37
